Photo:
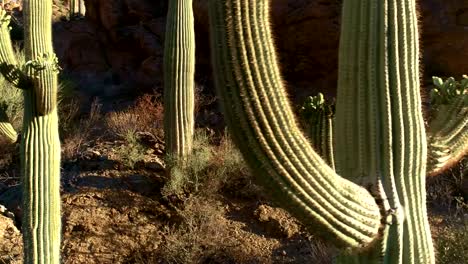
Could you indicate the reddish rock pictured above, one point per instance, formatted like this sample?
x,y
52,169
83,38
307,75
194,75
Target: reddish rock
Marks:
x,y
131,33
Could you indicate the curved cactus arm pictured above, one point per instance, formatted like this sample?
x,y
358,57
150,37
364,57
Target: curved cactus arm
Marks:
x,y
6,128
260,118
179,70
8,63
8,69
40,146
448,130
318,116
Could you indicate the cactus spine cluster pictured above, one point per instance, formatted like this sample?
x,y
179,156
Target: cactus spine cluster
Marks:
x,y
40,146
380,135
179,71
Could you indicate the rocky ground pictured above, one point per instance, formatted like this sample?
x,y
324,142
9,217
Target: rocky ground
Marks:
x,y
112,214
115,214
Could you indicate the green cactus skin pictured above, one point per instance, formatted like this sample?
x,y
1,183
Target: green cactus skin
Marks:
x,y
448,131
380,136
318,116
40,147
261,122
179,70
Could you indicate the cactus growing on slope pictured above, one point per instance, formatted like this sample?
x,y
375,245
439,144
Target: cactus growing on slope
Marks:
x,y
40,146
179,70
380,136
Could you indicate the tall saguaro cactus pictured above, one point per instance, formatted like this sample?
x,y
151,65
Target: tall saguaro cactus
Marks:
x,y
40,146
179,70
380,136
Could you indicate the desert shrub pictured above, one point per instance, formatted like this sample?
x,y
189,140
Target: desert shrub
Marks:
x,y
146,115
452,246
78,132
448,191
192,239
132,151
210,169
188,175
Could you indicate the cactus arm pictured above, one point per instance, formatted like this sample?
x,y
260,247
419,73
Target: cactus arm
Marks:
x,y
7,68
179,70
6,128
448,130
40,147
8,63
261,121
318,116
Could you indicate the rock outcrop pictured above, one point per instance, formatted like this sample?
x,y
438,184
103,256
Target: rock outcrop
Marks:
x,y
124,39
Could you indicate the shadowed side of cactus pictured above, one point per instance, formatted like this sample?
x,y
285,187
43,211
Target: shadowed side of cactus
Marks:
x,y
7,68
318,118
380,136
448,130
179,70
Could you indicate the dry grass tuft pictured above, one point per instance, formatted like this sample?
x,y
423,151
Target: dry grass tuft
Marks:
x,y
79,133
145,116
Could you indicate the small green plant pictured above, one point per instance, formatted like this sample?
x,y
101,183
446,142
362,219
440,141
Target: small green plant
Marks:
x,y
187,175
132,151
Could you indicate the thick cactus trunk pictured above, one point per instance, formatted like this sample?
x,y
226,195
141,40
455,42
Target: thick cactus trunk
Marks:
x,y
380,134
179,70
40,148
380,137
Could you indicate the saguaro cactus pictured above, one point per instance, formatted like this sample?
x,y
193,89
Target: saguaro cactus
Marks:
x,y
318,118
40,146
380,136
6,128
448,137
179,70
6,53
77,8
